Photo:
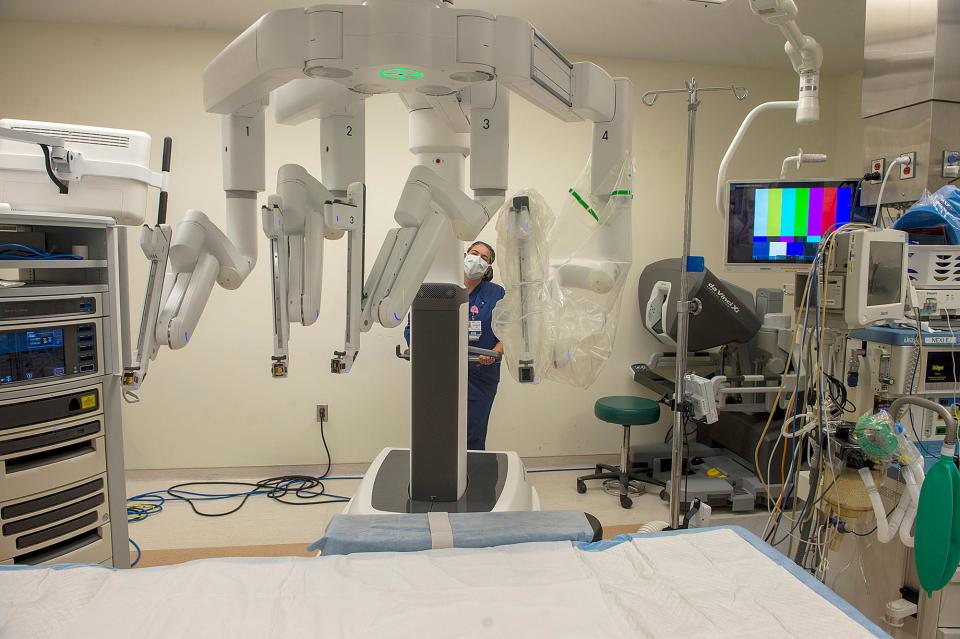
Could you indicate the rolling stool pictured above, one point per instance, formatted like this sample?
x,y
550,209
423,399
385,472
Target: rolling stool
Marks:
x,y
627,412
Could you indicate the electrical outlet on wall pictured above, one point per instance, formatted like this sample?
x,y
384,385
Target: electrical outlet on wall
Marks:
x,y
323,413
951,165
909,171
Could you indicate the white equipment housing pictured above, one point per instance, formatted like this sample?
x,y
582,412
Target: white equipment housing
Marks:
x,y
875,263
110,171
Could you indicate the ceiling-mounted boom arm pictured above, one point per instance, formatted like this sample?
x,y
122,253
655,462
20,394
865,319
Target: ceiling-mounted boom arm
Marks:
x,y
806,56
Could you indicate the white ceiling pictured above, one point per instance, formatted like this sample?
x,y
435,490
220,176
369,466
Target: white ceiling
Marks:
x,y
677,30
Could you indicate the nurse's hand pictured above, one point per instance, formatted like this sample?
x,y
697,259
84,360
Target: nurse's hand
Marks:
x,y
486,360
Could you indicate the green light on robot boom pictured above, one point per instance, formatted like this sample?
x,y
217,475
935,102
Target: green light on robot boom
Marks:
x,y
401,73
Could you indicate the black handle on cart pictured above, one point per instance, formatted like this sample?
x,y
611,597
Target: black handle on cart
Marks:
x,y
473,353
165,168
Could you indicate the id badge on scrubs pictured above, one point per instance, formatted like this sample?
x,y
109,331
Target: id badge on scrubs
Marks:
x,y
474,329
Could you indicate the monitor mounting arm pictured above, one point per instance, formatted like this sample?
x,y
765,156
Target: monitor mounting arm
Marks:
x,y
806,56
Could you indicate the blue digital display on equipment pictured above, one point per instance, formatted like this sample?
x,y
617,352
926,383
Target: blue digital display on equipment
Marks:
x,y
31,354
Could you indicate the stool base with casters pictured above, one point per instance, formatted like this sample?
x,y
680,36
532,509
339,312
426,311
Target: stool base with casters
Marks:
x,y
627,412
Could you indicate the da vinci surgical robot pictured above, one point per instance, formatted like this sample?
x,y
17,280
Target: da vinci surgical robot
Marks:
x,y
454,70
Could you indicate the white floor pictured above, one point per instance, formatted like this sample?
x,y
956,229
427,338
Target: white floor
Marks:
x,y
264,521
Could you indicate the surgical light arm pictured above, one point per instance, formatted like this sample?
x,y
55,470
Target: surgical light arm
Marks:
x,y
806,56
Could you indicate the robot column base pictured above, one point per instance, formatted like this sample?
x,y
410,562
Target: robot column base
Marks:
x,y
438,440
437,472
496,482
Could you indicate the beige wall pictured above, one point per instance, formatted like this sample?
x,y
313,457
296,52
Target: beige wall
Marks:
x,y
214,403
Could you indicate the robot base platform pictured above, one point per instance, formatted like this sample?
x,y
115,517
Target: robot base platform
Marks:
x,y
496,482
714,476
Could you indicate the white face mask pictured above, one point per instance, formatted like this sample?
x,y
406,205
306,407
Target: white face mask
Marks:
x,y
473,266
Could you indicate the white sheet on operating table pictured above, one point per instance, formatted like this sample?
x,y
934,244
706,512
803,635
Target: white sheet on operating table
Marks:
x,y
709,584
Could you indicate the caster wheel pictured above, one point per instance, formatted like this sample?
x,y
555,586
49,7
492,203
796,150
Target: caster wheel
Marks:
x,y
664,495
581,487
626,502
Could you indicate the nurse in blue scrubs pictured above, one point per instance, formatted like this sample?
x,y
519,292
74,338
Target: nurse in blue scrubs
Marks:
x,y
483,376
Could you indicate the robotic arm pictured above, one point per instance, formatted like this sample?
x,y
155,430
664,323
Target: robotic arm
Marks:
x,y
305,212
296,221
198,253
806,56
427,204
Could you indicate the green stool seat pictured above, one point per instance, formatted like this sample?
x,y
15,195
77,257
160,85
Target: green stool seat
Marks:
x,y
627,411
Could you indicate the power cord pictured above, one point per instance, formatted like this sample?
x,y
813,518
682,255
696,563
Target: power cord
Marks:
x,y
293,490
900,159
48,165
136,560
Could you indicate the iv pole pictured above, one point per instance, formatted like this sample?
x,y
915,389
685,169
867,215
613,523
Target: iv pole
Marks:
x,y
685,307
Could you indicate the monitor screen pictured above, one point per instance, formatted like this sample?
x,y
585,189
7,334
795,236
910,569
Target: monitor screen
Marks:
x,y
884,276
31,354
782,223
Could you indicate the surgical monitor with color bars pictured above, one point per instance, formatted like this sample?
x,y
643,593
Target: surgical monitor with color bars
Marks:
x,y
780,223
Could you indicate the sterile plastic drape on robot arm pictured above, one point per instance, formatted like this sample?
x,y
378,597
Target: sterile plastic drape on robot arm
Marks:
x,y
557,320
591,252
564,277
522,319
